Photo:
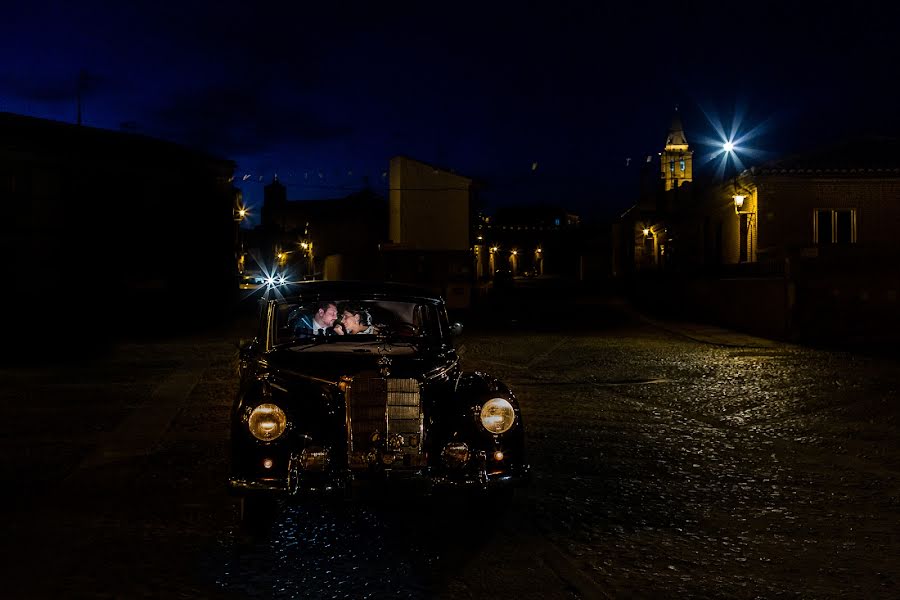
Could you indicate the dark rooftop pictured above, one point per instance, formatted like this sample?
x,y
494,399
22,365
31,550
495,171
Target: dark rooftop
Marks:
x,y
23,133
869,155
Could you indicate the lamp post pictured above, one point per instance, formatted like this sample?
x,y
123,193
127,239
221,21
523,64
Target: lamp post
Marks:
x,y
745,226
306,246
240,213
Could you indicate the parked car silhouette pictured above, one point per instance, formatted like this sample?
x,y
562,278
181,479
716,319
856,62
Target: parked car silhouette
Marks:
x,y
319,412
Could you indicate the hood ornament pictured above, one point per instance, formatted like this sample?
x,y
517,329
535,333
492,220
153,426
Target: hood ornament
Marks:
x,y
384,364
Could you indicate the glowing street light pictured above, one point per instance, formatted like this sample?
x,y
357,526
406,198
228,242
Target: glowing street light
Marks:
x,y
729,144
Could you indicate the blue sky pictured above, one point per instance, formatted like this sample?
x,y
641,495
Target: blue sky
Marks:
x,y
325,95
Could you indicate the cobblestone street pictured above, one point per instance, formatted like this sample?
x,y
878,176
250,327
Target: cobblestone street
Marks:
x,y
669,460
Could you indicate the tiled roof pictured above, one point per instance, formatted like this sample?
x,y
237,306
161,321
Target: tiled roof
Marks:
x,y
862,156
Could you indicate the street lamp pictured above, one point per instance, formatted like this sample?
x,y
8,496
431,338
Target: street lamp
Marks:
x,y
745,224
240,213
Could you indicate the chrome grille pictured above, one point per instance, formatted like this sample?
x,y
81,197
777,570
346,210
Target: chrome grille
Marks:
x,y
384,418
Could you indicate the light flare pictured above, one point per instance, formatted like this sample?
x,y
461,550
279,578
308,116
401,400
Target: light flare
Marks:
x,y
730,147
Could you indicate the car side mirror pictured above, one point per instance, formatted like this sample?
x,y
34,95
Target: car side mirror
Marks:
x,y
243,346
456,328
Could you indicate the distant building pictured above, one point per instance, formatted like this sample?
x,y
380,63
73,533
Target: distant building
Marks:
x,y
430,207
335,238
431,222
655,233
839,201
822,223
802,247
531,239
676,161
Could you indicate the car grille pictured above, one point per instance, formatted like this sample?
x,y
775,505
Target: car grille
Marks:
x,y
384,418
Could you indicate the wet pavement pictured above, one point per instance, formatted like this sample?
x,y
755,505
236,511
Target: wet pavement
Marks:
x,y
670,460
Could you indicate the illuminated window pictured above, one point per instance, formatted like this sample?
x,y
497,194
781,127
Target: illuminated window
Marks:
x,y
672,165
682,165
834,226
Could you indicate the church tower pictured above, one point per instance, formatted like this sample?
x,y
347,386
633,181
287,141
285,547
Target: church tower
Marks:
x,y
274,204
676,161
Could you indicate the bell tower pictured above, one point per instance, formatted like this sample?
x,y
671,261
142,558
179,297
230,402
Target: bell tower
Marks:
x,y
676,161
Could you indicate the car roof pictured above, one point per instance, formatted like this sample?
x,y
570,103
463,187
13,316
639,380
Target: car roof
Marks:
x,y
343,288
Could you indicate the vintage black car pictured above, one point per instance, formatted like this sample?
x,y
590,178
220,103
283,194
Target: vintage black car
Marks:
x,y
329,410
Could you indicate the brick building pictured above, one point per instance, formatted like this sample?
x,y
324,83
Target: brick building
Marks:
x,y
803,247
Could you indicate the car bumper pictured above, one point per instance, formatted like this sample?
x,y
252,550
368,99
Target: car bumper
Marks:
x,y
436,482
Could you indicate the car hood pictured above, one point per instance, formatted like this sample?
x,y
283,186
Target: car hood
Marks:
x,y
331,361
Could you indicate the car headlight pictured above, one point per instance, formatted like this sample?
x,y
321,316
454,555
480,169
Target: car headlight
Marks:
x,y
267,422
497,415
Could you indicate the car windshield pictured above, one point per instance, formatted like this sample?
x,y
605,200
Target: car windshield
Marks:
x,y
355,319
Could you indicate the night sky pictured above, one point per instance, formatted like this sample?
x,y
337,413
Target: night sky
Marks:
x,y
541,102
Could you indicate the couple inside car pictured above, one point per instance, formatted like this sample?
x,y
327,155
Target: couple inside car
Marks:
x,y
354,320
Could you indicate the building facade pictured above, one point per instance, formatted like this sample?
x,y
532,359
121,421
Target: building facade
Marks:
x,y
91,212
314,239
803,247
657,231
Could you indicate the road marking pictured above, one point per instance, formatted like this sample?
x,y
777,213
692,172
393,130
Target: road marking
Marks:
x,y
594,383
140,432
544,355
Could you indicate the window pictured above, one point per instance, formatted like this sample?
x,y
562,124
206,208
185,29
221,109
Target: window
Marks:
x,y
834,226
682,165
672,165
